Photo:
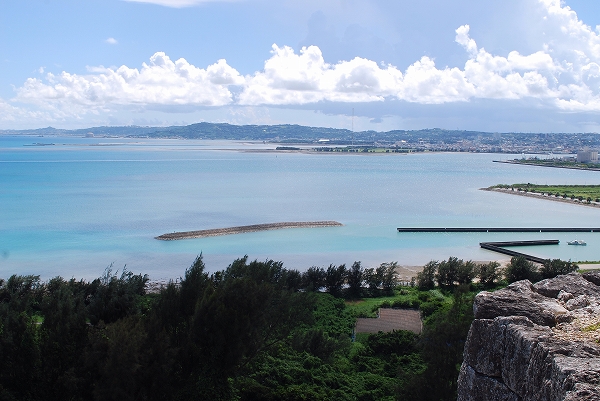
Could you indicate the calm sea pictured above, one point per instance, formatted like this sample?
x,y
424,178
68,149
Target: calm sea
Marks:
x,y
77,206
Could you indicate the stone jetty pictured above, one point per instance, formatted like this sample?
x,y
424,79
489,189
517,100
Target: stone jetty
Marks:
x,y
245,229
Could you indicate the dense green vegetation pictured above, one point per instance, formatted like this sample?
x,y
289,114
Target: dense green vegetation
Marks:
x,y
254,331
586,193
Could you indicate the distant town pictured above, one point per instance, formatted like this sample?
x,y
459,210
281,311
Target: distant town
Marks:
x,y
291,137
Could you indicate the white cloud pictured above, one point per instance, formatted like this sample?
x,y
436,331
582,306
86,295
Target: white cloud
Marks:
x,y
111,41
16,116
290,78
512,77
565,73
162,82
176,3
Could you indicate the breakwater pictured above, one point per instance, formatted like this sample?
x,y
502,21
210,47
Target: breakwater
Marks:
x,y
496,230
245,229
499,247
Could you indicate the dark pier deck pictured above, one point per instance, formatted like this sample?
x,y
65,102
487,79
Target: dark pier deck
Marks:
x,y
499,247
496,230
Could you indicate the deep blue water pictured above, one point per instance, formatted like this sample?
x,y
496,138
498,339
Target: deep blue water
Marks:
x,y
77,206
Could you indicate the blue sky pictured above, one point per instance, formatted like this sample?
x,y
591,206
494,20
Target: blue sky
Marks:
x,y
512,65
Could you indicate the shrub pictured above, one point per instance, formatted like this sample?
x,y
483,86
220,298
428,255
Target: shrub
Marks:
x,y
520,268
488,273
556,267
466,272
428,308
454,271
426,277
313,279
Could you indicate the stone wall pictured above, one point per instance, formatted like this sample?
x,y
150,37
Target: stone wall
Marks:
x,y
535,342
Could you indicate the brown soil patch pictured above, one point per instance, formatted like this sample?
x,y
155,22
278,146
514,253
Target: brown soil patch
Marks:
x,y
391,319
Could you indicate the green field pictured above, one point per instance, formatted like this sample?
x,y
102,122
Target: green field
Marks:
x,y
406,297
582,192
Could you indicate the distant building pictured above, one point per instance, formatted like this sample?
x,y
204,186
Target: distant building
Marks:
x,y
587,156
89,135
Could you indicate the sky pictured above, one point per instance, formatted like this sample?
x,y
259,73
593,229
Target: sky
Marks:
x,y
487,65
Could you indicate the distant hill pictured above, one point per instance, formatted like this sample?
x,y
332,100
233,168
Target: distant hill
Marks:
x,y
425,139
282,132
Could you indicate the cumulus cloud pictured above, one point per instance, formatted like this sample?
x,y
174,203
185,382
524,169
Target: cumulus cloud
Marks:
x,y
290,78
111,41
162,82
576,47
14,116
565,73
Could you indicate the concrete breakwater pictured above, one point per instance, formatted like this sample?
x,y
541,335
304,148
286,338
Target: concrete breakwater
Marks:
x,y
499,247
245,229
497,230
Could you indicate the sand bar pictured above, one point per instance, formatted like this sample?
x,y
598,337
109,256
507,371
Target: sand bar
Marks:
x,y
246,229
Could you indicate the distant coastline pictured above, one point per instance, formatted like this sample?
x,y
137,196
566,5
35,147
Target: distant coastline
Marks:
x,y
245,229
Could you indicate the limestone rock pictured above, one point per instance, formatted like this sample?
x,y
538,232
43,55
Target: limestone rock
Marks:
x,y
477,387
577,303
534,342
592,277
564,296
573,283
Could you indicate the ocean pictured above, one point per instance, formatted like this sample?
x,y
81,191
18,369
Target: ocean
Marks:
x,y
75,206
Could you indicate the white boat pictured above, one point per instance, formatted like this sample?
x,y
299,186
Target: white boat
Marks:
x,y
577,242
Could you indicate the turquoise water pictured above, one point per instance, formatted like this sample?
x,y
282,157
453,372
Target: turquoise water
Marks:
x,y
75,207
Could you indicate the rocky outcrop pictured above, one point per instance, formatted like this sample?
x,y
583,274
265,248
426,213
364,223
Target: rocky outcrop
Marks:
x,y
535,342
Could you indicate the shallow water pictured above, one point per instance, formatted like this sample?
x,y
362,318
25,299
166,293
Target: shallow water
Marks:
x,y
75,207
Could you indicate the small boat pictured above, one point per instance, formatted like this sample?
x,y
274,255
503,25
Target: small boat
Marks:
x,y
577,242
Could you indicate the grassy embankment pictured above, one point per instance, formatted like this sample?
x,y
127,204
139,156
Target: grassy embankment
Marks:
x,y
581,192
561,163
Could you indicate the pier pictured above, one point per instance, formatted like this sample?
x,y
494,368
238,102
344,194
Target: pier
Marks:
x,y
499,247
496,230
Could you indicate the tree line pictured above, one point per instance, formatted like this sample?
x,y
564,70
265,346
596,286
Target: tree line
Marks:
x,y
454,272
255,330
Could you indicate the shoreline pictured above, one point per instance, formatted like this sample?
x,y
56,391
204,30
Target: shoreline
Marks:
x,y
245,229
544,197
